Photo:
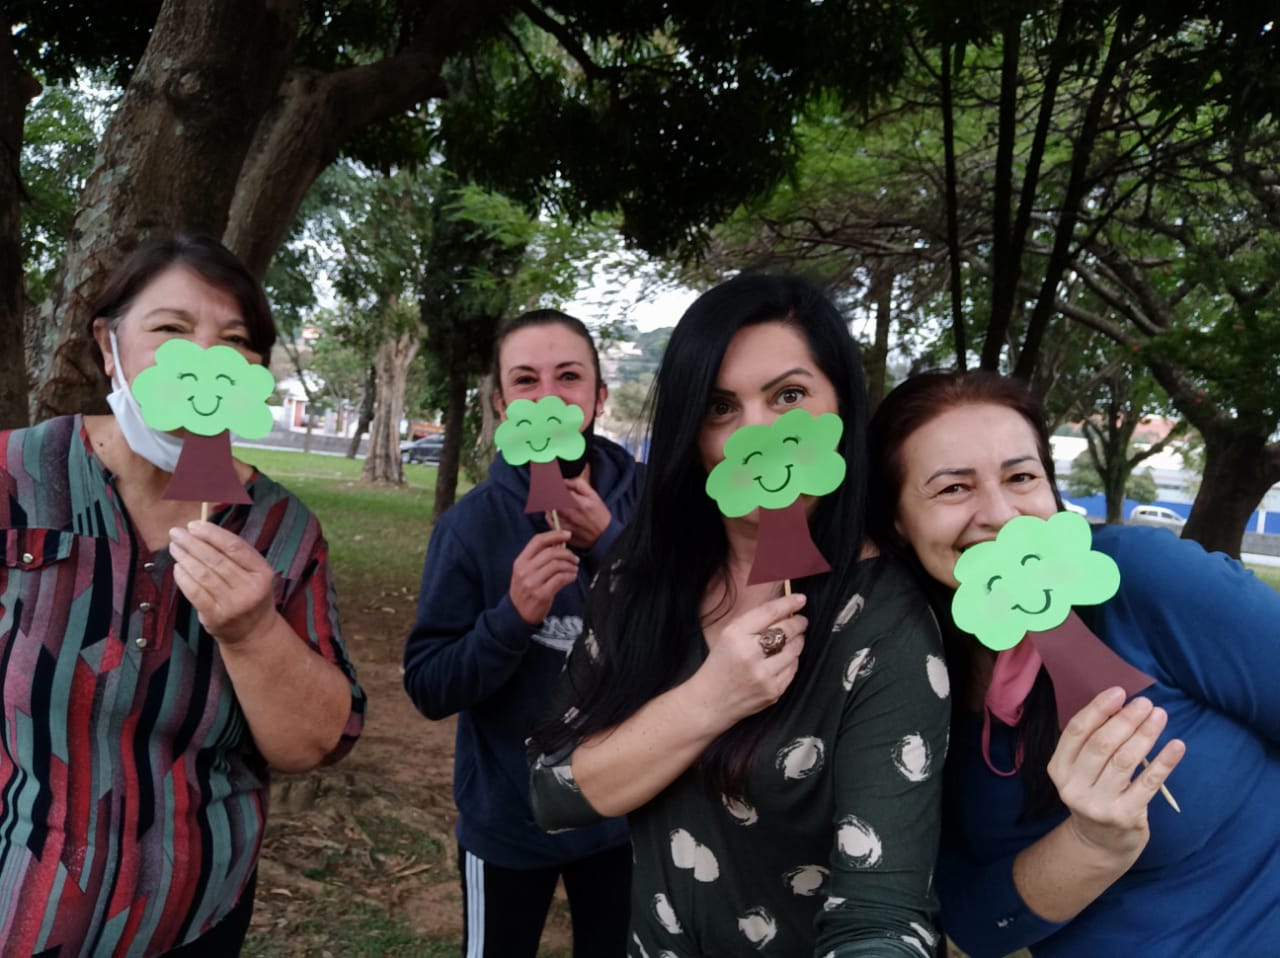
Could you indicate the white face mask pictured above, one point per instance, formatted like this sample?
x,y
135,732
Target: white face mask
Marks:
x,y
161,449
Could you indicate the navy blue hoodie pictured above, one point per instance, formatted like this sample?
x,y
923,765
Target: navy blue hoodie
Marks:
x,y
471,653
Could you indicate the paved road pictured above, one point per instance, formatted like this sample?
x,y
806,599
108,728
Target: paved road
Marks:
x,y
282,448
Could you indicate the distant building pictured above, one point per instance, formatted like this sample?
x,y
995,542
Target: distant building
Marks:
x,y
292,412
1176,485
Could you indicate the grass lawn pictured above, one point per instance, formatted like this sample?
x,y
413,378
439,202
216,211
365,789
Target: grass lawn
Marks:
x,y
377,534
354,929
1268,574
377,537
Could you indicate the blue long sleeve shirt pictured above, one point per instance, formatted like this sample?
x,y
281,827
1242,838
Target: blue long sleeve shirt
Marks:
x,y
1208,882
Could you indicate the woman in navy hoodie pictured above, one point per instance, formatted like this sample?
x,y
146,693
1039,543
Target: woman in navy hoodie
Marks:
x,y
500,607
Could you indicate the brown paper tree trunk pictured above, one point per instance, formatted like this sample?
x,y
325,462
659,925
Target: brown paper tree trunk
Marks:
x,y
784,548
205,472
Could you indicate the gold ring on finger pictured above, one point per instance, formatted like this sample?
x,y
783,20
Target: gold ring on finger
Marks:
x,y
772,640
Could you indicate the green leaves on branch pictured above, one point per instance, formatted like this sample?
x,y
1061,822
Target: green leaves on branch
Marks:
x,y
669,114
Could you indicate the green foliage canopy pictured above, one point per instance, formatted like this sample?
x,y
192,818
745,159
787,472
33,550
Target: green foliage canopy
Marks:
x,y
59,139
57,40
1085,480
670,114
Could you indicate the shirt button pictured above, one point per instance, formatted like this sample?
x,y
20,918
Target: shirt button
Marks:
x,y
140,641
144,606
148,566
28,558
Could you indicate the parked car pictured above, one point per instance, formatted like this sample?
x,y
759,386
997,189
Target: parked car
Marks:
x,y
1157,516
427,449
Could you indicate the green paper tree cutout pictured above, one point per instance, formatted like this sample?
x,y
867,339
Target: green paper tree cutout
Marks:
x,y
770,467
1028,578
205,391
541,431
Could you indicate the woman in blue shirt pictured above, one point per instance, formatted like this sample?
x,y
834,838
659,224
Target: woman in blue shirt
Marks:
x,y
1052,840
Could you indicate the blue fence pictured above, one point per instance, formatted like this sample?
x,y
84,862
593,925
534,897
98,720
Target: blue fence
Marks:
x,y
1097,506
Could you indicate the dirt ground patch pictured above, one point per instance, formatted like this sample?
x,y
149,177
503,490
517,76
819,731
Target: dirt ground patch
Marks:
x,y
360,858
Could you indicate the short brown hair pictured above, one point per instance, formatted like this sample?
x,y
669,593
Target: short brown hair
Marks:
x,y
204,256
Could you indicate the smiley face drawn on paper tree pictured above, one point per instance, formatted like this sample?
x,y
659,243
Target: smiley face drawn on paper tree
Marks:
x,y
771,466
204,391
541,431
1028,578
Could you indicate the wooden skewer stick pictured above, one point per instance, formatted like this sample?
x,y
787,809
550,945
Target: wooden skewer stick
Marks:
x,y
555,520
786,586
1168,795
204,512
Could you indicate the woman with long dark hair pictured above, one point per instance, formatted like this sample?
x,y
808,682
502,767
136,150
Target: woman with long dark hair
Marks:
x,y
1056,840
779,798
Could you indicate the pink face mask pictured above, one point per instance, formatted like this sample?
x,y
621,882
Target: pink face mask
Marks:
x,y
1012,676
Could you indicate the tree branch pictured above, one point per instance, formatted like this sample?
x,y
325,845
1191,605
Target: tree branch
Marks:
x,y
1077,185
1177,432
541,19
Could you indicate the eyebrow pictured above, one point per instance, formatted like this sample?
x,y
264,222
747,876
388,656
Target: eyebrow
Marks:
x,y
190,317
970,471
523,367
794,371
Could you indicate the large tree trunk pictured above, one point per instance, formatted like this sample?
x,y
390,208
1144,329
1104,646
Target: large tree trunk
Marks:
x,y
169,159
1112,476
876,358
1114,483
1239,468
216,134
1109,434
17,89
488,417
451,454
366,412
382,461
314,114
1239,465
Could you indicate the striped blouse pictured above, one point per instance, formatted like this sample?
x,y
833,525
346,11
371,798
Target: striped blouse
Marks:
x,y
132,796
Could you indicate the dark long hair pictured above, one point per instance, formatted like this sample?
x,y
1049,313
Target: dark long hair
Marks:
x,y
644,613
208,259
909,407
